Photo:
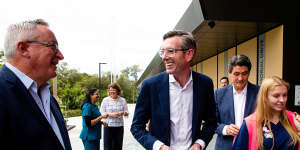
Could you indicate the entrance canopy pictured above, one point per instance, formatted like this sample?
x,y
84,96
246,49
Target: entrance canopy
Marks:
x,y
218,25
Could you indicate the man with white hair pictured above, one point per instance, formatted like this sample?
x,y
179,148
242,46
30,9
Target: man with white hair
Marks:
x,y
30,117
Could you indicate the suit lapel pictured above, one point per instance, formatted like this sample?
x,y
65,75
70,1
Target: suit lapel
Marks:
x,y
196,102
24,95
164,96
249,100
55,111
164,102
60,122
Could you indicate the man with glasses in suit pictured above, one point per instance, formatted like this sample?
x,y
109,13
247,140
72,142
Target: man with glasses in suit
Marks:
x,y
175,101
30,116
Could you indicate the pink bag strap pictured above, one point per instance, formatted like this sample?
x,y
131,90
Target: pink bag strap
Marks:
x,y
290,116
251,127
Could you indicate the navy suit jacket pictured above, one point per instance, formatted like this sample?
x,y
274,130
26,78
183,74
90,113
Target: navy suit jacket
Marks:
x,y
225,111
153,104
22,123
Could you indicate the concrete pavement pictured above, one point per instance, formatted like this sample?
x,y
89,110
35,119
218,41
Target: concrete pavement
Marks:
x,y
129,143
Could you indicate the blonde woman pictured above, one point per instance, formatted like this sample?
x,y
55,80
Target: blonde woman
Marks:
x,y
271,126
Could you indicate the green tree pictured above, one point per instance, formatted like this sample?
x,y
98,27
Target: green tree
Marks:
x,y
73,85
71,96
125,85
132,72
129,86
1,58
105,81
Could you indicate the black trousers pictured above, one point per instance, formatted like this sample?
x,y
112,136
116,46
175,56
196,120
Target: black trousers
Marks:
x,y
113,138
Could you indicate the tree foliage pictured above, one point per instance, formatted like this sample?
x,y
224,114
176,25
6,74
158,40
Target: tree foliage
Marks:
x,y
73,85
129,86
125,85
1,58
131,72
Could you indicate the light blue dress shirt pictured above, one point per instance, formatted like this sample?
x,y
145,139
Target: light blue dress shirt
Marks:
x,y
43,102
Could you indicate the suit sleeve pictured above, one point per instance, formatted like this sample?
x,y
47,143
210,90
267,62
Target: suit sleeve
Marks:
x,y
220,126
210,121
141,117
242,140
3,125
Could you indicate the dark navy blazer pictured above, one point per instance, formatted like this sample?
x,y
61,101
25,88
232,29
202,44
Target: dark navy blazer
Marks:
x,y
22,123
153,104
225,111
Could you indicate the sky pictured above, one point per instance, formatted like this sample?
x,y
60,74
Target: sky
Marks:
x,y
120,33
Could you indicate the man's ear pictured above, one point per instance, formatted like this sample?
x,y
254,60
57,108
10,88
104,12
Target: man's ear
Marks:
x,y
190,54
229,73
22,48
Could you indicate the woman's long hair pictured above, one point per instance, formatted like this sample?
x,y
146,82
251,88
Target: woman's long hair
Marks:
x,y
264,113
87,98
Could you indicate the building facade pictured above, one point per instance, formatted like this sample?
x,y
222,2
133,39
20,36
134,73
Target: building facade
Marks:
x,y
265,31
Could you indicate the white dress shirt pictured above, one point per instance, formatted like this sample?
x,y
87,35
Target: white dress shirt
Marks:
x,y
181,114
43,101
239,100
239,105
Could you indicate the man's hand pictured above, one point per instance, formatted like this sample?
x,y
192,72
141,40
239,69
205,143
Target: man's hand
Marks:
x,y
165,147
196,146
232,130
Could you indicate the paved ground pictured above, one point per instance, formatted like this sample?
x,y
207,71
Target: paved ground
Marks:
x,y
129,143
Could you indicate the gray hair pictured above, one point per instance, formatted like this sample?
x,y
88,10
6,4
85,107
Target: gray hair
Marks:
x,y
187,39
21,31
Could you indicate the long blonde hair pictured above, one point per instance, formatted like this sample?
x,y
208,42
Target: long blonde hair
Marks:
x,y
264,113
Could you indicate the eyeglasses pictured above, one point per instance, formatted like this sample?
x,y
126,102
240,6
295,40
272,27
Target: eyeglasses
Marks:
x,y
169,52
52,45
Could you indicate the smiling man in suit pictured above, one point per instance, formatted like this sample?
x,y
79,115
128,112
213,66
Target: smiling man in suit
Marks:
x,y
234,102
30,117
176,101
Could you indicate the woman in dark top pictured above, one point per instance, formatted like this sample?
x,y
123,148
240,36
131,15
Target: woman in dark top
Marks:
x,y
91,121
271,126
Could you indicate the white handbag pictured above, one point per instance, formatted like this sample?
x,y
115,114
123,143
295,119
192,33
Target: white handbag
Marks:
x,y
297,121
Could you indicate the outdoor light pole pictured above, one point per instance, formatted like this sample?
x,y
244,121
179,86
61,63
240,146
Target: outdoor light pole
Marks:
x,y
100,79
